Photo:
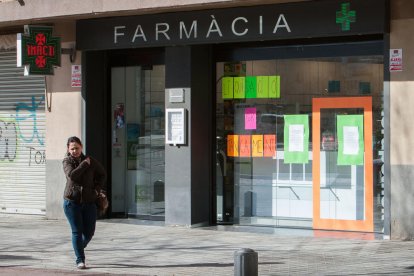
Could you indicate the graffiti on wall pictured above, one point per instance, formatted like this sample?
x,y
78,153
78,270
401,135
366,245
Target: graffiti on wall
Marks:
x,y
30,114
8,140
36,156
20,133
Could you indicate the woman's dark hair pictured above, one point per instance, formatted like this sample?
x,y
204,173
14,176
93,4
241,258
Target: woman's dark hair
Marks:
x,y
74,139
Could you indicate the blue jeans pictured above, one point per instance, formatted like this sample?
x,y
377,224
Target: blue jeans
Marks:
x,y
82,220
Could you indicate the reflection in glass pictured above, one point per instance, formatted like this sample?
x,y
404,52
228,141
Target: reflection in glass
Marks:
x,y
142,90
267,191
342,186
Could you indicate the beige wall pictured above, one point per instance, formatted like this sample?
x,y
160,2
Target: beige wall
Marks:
x,y
64,119
401,122
11,13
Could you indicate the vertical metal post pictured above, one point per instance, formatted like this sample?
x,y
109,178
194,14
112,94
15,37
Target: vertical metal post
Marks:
x,y
245,262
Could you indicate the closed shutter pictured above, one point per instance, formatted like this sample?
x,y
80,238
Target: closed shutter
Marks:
x,y
22,139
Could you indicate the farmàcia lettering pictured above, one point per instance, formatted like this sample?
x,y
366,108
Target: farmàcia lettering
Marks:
x,y
239,27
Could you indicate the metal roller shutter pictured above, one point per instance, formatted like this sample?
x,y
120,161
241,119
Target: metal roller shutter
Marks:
x,y
22,139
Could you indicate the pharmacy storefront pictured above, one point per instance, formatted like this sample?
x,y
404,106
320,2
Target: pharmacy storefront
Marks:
x,y
283,113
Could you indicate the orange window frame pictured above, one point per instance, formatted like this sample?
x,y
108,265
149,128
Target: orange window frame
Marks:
x,y
343,102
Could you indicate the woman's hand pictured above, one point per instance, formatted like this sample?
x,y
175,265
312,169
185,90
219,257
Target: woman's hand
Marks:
x,y
102,201
88,160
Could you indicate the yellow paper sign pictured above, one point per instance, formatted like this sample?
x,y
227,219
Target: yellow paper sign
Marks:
x,y
227,87
262,86
277,86
239,88
257,145
274,87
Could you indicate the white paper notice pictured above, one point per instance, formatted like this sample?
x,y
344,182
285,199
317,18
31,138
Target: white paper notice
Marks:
x,y
76,80
351,140
177,127
296,133
396,60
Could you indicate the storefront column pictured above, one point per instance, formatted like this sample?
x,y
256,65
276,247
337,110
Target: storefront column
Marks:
x,y
401,130
95,81
188,170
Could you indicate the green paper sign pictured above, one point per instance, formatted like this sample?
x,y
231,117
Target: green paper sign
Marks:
x,y
227,87
350,139
239,88
262,87
278,87
251,87
274,86
296,139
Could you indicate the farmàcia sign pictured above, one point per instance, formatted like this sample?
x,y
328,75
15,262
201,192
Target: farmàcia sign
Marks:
x,y
38,50
238,24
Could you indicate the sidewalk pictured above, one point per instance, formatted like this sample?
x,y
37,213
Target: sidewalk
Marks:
x,y
32,245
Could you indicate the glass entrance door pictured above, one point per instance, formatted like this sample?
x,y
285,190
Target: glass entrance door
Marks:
x,y
342,164
138,166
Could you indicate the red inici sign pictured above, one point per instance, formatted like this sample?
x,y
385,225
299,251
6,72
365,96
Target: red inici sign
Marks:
x,y
40,50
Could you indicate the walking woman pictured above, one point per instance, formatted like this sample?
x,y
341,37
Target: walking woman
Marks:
x,y
85,180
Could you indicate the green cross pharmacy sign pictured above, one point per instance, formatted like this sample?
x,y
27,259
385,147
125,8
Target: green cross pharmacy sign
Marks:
x,y
345,17
39,50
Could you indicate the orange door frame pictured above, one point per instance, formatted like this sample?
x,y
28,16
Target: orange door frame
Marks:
x,y
366,225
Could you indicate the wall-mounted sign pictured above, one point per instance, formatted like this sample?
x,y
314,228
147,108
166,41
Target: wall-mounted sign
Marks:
x,y
38,50
236,24
176,95
396,61
175,126
76,77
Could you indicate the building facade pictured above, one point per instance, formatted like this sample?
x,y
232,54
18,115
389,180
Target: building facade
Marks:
x,y
264,113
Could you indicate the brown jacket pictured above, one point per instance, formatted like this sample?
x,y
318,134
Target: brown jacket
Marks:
x,y
83,180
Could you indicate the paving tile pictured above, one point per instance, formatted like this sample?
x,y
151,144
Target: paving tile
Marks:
x,y
32,244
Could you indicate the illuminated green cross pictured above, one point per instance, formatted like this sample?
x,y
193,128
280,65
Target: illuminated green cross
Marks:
x,y
345,17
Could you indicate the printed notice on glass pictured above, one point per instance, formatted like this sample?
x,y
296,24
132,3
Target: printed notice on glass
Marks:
x,y
175,126
351,140
350,130
296,139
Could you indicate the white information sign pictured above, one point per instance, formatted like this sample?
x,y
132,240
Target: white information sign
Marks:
x,y
175,126
76,79
296,137
351,140
396,61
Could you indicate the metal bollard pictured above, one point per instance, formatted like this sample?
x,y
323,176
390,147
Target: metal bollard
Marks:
x,y
245,262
